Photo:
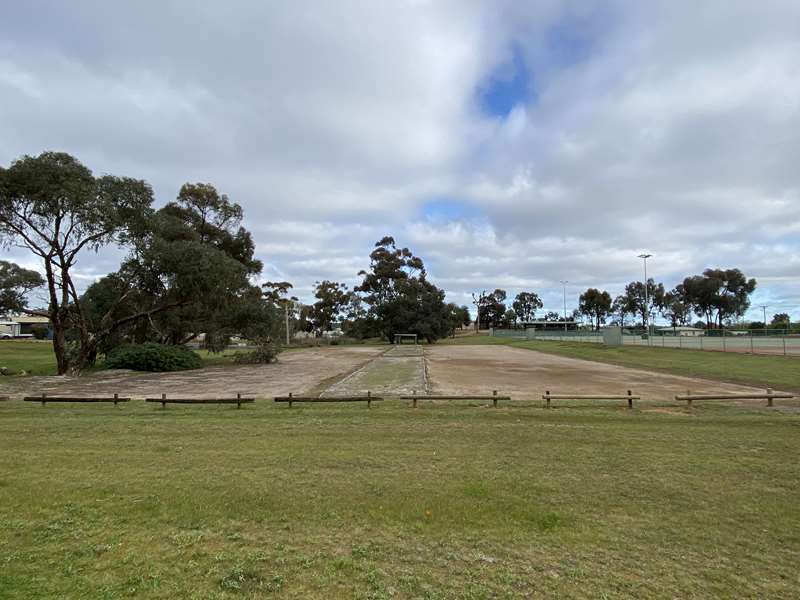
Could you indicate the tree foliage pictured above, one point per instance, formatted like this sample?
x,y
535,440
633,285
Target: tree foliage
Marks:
x,y
491,308
642,300
332,301
15,284
719,295
596,305
52,205
526,304
399,297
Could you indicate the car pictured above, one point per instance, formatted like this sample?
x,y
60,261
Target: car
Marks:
x,y
6,336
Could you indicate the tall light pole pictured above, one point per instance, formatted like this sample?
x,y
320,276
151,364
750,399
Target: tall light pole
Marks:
x,y
564,286
646,310
764,308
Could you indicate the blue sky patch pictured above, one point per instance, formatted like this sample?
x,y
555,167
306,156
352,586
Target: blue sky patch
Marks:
x,y
449,210
508,85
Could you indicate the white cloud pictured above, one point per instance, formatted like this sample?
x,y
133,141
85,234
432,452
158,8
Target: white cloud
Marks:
x,y
669,127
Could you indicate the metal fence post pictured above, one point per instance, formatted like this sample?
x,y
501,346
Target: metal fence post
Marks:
x,y
752,350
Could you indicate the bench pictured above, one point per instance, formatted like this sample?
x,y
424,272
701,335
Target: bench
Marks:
x,y
44,399
238,401
630,397
494,398
291,399
769,396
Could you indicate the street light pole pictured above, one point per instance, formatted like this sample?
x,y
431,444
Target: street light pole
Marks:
x,y
646,311
764,308
564,286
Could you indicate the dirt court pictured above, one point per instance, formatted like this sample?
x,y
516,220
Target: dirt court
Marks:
x,y
354,370
398,371
527,374
299,371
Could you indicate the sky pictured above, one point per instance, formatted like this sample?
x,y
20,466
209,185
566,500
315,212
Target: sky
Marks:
x,y
509,144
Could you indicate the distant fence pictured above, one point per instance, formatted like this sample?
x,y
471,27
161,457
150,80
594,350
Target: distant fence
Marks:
x,y
756,341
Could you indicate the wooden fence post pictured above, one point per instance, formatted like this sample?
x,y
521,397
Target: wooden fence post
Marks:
x,y
43,398
688,399
769,394
494,399
163,404
238,397
290,399
547,395
115,399
369,399
415,399
630,400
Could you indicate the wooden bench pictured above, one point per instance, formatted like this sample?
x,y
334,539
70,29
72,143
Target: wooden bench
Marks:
x,y
238,401
44,399
494,398
630,397
769,396
291,399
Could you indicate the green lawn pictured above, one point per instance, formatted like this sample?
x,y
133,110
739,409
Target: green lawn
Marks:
x,y
447,501
36,358
779,372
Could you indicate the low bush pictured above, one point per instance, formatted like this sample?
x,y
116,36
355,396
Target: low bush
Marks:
x,y
153,357
40,333
265,352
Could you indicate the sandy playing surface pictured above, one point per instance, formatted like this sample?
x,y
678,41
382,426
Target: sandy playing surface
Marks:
x,y
526,375
298,371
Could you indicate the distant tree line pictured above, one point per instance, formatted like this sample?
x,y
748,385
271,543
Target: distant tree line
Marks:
x,y
719,296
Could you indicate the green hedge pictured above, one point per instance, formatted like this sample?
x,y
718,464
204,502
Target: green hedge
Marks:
x,y
153,357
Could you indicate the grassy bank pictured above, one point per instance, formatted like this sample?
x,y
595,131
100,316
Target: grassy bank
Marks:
x,y
778,372
442,502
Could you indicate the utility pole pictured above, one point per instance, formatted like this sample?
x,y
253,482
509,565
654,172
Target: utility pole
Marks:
x,y
564,287
286,314
646,311
764,308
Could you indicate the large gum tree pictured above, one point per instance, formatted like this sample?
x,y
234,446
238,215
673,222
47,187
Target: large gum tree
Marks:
x,y
54,206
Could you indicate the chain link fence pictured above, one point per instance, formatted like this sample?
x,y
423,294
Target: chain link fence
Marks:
x,y
774,342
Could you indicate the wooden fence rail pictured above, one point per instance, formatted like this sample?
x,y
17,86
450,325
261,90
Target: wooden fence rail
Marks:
x,y
44,399
238,401
291,399
494,398
630,397
769,396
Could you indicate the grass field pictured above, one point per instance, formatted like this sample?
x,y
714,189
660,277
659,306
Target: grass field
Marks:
x,y
441,502
779,372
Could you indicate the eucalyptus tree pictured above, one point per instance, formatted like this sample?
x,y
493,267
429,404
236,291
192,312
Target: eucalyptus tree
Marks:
x,y
54,206
596,305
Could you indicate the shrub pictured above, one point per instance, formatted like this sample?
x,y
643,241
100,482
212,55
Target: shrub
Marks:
x,y
39,333
265,352
153,357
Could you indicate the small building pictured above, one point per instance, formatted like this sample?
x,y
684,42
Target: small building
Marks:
x,y
681,331
544,325
25,326
9,328
28,324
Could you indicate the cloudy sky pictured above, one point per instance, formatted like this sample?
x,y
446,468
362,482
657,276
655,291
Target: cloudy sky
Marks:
x,y
509,144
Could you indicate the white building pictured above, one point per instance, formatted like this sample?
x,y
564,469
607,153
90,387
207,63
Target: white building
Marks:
x,y
682,331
